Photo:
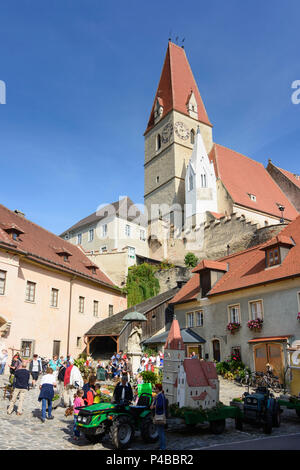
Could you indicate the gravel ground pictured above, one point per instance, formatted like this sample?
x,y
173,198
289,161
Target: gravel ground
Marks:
x,y
27,432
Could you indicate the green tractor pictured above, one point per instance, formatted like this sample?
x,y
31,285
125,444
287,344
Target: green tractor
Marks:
x,y
119,420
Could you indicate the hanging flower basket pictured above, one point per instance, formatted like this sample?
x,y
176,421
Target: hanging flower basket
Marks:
x,y
233,327
298,316
255,325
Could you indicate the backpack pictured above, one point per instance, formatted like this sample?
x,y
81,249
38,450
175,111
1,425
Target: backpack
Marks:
x,y
61,374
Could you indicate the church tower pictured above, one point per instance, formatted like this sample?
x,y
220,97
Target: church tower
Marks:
x,y
176,113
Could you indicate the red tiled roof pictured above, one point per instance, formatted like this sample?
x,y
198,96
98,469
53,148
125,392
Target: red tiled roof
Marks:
x,y
44,247
210,264
247,268
278,240
243,176
188,292
175,86
174,339
199,373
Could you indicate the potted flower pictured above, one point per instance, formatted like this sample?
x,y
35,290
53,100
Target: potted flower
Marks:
x,y
233,327
256,324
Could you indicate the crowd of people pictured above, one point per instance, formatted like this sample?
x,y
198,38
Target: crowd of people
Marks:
x,y
60,378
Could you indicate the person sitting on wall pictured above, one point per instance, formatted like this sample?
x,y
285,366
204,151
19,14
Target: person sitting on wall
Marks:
x,y
123,391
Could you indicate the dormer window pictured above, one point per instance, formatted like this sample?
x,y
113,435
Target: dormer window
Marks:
x,y
13,231
252,197
192,106
277,250
64,254
272,257
92,268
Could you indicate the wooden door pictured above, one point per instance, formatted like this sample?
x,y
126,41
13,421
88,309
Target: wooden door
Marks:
x,y
260,357
275,357
216,350
271,353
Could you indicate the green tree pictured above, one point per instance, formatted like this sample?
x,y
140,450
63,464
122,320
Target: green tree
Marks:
x,y
141,283
190,260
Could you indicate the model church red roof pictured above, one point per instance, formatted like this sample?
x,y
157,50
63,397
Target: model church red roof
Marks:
x,y
200,373
176,85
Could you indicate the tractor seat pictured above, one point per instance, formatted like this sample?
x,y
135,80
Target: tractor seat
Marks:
x,y
144,400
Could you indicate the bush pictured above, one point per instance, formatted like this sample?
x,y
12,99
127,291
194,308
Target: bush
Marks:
x,y
149,377
190,260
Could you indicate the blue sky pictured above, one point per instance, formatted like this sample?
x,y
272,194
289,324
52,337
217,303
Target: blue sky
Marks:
x,y
81,77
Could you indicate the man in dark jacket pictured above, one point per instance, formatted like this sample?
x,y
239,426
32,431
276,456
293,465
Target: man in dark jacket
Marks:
x,y
21,387
35,368
123,391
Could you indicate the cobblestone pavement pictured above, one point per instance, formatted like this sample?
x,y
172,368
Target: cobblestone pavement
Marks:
x,y
27,432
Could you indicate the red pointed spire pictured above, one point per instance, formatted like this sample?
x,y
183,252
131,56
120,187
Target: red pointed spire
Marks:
x,y
174,339
176,85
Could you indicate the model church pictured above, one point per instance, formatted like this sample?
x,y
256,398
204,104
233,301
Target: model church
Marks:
x,y
187,381
195,189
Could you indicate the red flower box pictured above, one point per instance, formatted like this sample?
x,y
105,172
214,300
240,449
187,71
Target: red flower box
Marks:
x,y
233,327
255,325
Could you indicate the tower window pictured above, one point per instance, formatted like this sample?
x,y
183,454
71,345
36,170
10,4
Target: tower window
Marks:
x,y
158,142
203,181
192,136
157,179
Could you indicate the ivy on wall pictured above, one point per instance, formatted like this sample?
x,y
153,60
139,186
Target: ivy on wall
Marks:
x,y
141,283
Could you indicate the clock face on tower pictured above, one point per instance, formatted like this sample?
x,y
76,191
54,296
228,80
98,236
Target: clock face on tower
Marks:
x,y
181,130
167,132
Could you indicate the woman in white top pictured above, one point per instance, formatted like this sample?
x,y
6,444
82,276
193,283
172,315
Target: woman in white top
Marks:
x,y
47,393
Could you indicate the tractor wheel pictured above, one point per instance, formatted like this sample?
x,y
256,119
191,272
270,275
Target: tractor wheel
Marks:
x,y
121,432
276,416
239,424
267,427
148,431
218,426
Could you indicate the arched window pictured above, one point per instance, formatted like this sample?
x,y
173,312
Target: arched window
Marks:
x,y
203,181
192,136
